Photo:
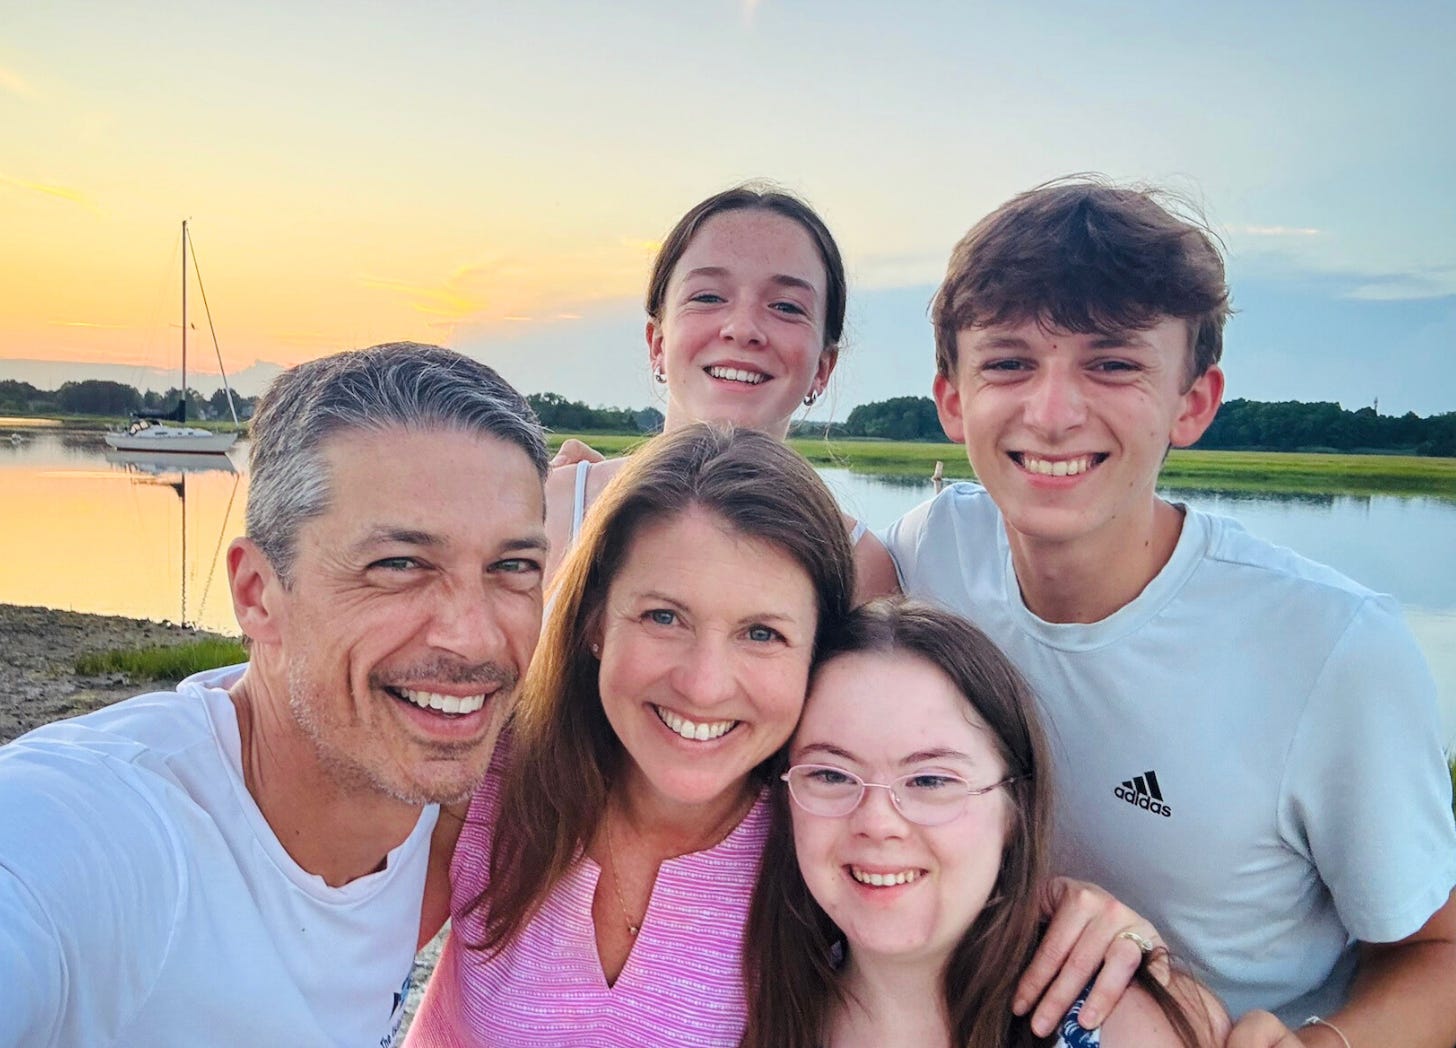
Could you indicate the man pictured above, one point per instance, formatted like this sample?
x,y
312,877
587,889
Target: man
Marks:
x,y
242,861
1246,741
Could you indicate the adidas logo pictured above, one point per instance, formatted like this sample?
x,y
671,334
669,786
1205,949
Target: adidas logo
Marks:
x,y
1141,791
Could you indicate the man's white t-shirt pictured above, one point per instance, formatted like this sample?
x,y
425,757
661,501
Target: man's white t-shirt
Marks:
x,y
144,900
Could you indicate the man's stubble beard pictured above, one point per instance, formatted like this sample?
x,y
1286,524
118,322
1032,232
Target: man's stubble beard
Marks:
x,y
354,775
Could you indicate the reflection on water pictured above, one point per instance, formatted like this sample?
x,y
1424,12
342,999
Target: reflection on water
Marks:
x,y
90,529
131,535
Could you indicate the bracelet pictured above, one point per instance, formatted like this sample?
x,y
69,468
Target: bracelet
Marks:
x,y
1315,1020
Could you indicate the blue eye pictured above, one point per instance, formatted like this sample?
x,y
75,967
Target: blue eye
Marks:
x,y
929,782
763,634
792,308
516,565
395,563
708,297
661,616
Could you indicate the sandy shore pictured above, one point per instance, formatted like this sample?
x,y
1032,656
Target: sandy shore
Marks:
x,y
39,683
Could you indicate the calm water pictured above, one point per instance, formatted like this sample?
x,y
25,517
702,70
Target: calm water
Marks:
x,y
89,529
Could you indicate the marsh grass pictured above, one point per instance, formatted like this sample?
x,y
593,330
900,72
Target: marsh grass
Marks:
x,y
170,662
1273,471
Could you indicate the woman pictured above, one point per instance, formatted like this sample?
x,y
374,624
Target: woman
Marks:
x,y
896,904
601,883
745,310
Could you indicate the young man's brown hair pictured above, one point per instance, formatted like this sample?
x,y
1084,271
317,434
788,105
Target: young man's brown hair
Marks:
x,y
1084,255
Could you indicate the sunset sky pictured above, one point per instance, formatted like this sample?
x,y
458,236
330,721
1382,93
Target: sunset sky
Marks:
x,y
495,176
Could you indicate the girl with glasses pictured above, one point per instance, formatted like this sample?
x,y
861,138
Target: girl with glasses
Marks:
x,y
897,903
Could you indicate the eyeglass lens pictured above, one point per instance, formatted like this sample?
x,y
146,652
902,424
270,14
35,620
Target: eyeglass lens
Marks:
x,y
927,798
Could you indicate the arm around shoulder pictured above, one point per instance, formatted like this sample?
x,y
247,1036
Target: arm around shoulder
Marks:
x,y
1402,995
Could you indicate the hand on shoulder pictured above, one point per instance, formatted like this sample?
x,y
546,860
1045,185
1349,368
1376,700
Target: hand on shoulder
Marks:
x,y
573,451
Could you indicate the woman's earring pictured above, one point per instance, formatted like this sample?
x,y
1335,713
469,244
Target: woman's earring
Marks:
x,y
658,375
596,650
810,397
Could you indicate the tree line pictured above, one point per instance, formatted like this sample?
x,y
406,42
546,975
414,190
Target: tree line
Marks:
x,y
1244,425
112,399
107,399
1240,425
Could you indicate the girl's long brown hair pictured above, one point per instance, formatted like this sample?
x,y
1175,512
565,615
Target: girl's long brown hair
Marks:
x,y
791,959
564,754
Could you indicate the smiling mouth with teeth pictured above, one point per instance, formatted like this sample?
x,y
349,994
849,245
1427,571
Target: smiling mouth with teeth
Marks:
x,y
450,705
692,730
1045,467
884,880
751,378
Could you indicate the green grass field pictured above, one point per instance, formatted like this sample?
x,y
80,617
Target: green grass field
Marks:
x,y
1273,471
1292,472
172,662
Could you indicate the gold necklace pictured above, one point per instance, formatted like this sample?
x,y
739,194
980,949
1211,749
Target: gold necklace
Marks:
x,y
632,926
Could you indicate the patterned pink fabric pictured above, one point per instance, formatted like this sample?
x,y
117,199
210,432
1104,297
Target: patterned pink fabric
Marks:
x,y
681,985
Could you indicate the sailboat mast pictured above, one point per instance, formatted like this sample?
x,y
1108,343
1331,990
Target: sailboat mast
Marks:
x,y
184,320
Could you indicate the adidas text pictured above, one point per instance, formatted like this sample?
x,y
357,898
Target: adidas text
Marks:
x,y
1142,791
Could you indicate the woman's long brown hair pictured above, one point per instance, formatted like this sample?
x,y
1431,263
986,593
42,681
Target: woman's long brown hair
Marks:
x,y
564,754
793,957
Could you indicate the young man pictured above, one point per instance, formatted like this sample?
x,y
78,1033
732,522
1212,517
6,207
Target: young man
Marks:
x,y
242,861
1247,742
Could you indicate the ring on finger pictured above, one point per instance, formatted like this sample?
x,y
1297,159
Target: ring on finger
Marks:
x,y
1144,944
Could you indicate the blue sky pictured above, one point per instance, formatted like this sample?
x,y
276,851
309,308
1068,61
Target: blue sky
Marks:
x,y
493,175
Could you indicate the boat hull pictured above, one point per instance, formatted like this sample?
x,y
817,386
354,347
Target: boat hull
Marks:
x,y
171,440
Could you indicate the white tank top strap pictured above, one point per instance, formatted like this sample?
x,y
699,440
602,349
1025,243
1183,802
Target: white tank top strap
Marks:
x,y
578,503
857,532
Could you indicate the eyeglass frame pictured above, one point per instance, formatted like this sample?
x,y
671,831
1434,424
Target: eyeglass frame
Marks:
x,y
889,787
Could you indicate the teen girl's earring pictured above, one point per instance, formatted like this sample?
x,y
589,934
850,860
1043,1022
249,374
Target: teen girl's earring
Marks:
x,y
658,375
810,397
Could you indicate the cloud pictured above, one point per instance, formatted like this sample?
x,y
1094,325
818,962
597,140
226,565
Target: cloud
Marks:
x,y
1437,282
1278,231
902,269
528,287
449,300
1331,280
14,83
642,247
75,196
308,339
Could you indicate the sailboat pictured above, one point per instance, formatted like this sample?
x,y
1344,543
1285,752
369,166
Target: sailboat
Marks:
x,y
148,431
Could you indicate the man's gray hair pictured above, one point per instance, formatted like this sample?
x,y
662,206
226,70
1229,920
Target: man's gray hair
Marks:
x,y
400,384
